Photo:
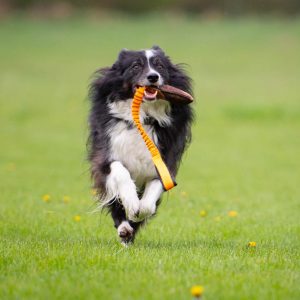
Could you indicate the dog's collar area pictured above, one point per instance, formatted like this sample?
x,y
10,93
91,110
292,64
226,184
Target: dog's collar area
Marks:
x,y
147,121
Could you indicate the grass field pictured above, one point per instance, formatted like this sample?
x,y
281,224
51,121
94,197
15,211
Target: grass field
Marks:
x,y
244,158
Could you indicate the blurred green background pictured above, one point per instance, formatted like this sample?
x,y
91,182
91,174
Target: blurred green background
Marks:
x,y
244,59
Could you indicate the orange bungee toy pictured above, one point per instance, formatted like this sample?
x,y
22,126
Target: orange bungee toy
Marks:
x,y
168,93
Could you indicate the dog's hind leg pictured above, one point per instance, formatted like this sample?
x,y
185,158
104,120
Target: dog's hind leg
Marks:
x,y
126,229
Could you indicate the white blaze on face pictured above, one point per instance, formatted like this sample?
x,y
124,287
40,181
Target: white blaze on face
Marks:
x,y
149,54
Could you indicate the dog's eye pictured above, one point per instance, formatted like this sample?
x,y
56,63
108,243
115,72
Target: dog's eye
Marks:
x,y
158,64
160,67
136,67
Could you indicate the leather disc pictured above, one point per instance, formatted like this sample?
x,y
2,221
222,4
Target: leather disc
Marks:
x,y
175,95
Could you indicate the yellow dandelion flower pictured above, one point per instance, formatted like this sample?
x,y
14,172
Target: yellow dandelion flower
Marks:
x,y
94,192
66,199
197,290
232,213
252,244
203,213
77,218
46,198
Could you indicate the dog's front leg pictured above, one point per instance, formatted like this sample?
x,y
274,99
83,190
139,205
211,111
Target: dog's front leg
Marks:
x,y
120,185
152,193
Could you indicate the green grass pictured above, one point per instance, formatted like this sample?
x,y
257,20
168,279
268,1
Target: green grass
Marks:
x,y
244,157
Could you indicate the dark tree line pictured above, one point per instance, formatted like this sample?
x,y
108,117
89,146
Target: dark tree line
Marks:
x,y
226,7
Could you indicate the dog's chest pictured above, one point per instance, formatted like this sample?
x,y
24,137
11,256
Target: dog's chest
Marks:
x,y
128,147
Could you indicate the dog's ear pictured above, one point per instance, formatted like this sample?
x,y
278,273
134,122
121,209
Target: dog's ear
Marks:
x,y
123,53
157,48
121,56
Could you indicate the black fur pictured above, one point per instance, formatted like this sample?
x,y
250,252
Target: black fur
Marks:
x,y
117,83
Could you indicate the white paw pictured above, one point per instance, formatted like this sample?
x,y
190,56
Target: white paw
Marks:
x,y
126,233
125,230
132,208
147,209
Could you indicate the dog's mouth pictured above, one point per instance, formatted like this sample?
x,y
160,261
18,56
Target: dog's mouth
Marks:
x,y
150,93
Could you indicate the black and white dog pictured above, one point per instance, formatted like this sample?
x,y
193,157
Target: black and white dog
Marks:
x,y
121,166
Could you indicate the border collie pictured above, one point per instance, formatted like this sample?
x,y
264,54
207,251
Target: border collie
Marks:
x,y
121,166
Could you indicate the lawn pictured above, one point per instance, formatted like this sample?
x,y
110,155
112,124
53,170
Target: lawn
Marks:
x,y
244,158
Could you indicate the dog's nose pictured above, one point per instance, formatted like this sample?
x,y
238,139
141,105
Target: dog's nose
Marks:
x,y
153,77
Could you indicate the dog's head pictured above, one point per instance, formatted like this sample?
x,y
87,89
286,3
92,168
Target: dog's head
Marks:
x,y
140,68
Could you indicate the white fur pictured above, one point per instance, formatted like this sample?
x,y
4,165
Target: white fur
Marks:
x,y
152,192
119,184
128,147
125,226
157,109
149,54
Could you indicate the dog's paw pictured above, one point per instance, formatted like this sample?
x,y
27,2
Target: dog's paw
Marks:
x,y
125,232
132,210
147,210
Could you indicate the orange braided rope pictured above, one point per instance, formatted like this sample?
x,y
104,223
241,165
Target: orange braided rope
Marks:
x,y
161,167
